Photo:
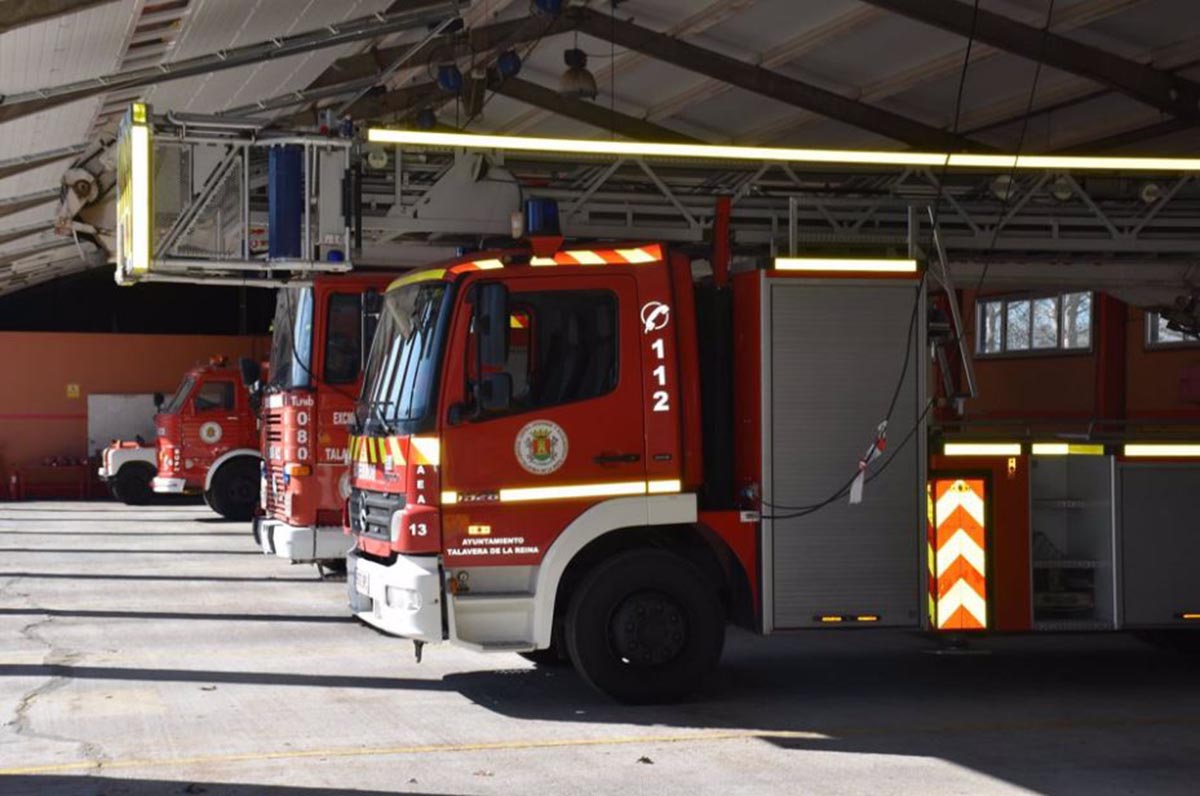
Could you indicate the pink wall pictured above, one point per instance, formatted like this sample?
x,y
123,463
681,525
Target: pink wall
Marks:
x,y
37,417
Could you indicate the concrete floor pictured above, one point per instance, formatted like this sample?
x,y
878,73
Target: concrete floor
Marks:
x,y
153,651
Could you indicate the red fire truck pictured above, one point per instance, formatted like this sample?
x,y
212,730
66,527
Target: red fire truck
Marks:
x,y
320,336
208,441
592,454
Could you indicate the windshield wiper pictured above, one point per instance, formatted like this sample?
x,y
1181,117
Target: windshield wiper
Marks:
x,y
377,414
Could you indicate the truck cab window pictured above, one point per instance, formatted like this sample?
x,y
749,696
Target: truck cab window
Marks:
x,y
562,347
343,346
214,395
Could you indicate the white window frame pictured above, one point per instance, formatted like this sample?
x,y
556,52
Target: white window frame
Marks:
x,y
1153,344
1057,350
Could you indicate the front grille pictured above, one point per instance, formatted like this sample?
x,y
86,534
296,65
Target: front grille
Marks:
x,y
377,509
273,424
275,503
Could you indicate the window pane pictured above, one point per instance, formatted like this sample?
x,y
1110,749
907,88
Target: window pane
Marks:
x,y
1017,338
1077,320
562,347
1045,322
214,395
992,331
343,346
1161,334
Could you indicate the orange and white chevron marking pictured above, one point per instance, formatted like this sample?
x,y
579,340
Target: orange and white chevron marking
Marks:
x,y
961,553
638,255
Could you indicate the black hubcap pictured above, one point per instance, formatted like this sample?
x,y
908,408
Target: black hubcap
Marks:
x,y
648,629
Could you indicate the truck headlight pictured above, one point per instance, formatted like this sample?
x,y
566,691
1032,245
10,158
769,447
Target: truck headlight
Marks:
x,y
403,599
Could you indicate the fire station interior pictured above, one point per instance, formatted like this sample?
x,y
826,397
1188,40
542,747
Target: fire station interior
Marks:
x,y
599,396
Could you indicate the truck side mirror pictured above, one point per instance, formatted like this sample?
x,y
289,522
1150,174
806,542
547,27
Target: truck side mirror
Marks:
x,y
251,371
495,392
158,400
491,325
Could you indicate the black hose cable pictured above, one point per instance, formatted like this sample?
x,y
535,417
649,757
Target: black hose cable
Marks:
x,y
937,203
908,349
895,451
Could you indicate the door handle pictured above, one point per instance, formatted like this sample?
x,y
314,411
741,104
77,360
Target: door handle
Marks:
x,y
617,458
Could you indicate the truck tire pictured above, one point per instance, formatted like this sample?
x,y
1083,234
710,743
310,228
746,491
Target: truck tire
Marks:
x,y
645,627
234,490
132,484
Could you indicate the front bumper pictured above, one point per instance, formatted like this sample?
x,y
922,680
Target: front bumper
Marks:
x,y
301,544
404,599
168,486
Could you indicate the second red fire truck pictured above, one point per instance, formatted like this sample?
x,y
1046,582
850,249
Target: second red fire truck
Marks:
x,y
208,441
321,332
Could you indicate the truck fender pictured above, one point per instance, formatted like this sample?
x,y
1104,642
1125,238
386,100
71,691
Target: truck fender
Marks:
x,y
611,515
233,454
120,457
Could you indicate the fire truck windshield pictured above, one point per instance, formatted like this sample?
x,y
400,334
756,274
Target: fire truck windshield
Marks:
x,y
401,372
291,343
173,404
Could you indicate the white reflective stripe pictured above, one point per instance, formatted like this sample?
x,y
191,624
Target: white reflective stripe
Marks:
x,y
968,500
617,489
961,595
636,255
1165,451
585,257
982,449
487,265
525,494
844,265
960,545
542,261
430,449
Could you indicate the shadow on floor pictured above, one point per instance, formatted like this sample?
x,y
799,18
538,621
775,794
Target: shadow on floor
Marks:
x,y
58,551
1052,716
176,615
59,785
182,577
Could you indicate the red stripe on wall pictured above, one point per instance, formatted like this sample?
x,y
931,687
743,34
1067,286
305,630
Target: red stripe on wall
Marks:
x,y
40,416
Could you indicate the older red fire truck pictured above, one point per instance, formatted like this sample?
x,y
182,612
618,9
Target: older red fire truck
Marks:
x,y
590,454
208,441
321,332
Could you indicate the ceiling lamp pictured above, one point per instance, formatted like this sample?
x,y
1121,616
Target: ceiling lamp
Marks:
x,y
577,82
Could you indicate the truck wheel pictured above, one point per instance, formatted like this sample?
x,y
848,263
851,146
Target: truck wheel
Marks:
x,y
234,490
645,627
132,485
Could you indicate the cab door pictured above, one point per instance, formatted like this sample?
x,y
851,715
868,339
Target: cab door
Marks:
x,y
212,424
573,433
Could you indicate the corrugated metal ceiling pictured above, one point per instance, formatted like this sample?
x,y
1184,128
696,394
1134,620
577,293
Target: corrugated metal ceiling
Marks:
x,y
845,46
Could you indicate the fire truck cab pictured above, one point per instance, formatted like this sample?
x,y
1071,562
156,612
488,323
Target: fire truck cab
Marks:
x,y
207,441
321,334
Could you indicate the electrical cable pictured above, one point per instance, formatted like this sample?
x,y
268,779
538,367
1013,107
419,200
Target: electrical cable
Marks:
x,y
800,511
1037,71
804,511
